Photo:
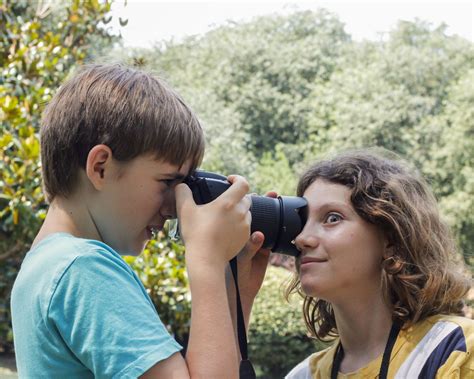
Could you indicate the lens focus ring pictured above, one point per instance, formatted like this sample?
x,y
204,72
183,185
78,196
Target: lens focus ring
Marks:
x,y
266,218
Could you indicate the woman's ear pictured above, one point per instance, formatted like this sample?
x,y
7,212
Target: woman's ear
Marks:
x,y
389,248
98,165
388,251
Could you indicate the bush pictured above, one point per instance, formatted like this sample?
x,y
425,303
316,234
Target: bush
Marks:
x,y
277,337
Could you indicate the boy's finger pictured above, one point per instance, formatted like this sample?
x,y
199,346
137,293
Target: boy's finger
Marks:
x,y
271,194
238,188
183,196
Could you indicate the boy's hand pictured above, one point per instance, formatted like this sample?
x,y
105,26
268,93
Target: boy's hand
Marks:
x,y
251,268
213,233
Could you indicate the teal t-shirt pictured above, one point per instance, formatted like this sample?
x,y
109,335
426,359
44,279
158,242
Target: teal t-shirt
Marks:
x,y
79,311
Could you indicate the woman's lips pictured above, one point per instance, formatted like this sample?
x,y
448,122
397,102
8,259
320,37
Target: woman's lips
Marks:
x,y
305,260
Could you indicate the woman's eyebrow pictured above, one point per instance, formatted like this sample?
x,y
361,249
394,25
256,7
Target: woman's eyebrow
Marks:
x,y
332,204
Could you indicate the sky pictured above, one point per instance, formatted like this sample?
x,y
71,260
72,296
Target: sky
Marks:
x,y
151,21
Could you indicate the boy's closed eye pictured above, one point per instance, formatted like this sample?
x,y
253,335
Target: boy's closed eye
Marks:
x,y
172,180
169,182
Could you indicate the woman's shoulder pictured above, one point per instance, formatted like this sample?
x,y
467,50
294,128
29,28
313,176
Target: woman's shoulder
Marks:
x,y
321,359
449,324
443,333
438,344
460,320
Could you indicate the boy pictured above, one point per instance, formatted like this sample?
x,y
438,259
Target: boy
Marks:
x,y
115,144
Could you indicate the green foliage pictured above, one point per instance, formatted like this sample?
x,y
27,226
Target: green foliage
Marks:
x,y
225,147
281,91
278,338
452,165
260,73
274,173
39,45
384,92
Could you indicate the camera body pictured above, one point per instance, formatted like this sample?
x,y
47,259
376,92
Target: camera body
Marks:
x,y
280,219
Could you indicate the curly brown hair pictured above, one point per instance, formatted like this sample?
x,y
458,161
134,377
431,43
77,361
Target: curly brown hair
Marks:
x,y
425,276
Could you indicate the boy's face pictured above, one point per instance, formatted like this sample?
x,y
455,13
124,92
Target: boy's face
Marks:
x,y
136,199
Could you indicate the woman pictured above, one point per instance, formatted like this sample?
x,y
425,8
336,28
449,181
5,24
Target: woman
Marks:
x,y
378,269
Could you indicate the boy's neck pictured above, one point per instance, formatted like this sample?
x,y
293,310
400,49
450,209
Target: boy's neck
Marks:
x,y
66,216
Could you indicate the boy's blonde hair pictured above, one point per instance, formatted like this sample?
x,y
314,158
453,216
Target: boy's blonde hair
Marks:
x,y
129,110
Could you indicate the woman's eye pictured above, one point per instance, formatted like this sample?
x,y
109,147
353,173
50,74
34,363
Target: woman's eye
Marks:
x,y
332,218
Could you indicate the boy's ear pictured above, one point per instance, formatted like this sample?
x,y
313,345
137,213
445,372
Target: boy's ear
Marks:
x,y
98,165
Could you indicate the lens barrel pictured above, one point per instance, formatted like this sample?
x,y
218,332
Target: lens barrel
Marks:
x,y
280,219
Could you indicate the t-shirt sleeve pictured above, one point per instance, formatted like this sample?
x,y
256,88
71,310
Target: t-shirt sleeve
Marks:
x,y
106,318
460,362
300,371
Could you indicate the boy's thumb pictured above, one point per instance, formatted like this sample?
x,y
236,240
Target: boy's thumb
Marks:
x,y
253,245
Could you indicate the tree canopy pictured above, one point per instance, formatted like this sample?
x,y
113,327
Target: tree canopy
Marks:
x,y
280,91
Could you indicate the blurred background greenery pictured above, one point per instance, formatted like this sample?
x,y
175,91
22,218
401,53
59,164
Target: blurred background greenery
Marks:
x,y
273,95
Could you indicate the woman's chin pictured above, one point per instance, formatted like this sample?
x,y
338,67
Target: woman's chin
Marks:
x,y
313,288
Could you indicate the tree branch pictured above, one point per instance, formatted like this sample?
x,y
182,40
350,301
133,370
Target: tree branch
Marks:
x,y
11,252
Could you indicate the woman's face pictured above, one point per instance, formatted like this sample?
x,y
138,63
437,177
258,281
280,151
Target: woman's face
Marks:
x,y
341,253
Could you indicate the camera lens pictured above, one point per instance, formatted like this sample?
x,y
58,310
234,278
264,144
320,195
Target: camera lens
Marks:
x,y
280,220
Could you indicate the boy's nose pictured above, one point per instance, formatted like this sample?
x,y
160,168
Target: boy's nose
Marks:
x,y
168,209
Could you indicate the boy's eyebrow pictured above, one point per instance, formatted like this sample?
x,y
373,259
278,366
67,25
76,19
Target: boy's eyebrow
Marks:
x,y
174,175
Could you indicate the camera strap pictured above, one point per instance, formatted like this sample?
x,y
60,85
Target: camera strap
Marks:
x,y
392,338
246,370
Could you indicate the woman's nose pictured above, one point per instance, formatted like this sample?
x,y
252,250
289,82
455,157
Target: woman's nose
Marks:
x,y
306,239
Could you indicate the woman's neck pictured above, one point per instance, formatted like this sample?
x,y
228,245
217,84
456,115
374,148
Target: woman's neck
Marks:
x,y
363,326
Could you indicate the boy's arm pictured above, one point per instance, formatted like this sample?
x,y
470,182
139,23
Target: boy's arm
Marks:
x,y
213,234
211,328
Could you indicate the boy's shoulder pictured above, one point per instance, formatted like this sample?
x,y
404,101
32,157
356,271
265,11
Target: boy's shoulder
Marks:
x,y
59,248
46,264
65,270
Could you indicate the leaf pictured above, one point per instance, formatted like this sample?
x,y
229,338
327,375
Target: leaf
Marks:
x,y
123,22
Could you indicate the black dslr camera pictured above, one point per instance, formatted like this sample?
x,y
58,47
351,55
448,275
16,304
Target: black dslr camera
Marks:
x,y
280,219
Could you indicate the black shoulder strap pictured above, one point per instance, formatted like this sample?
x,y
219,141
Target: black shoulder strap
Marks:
x,y
392,338
246,369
